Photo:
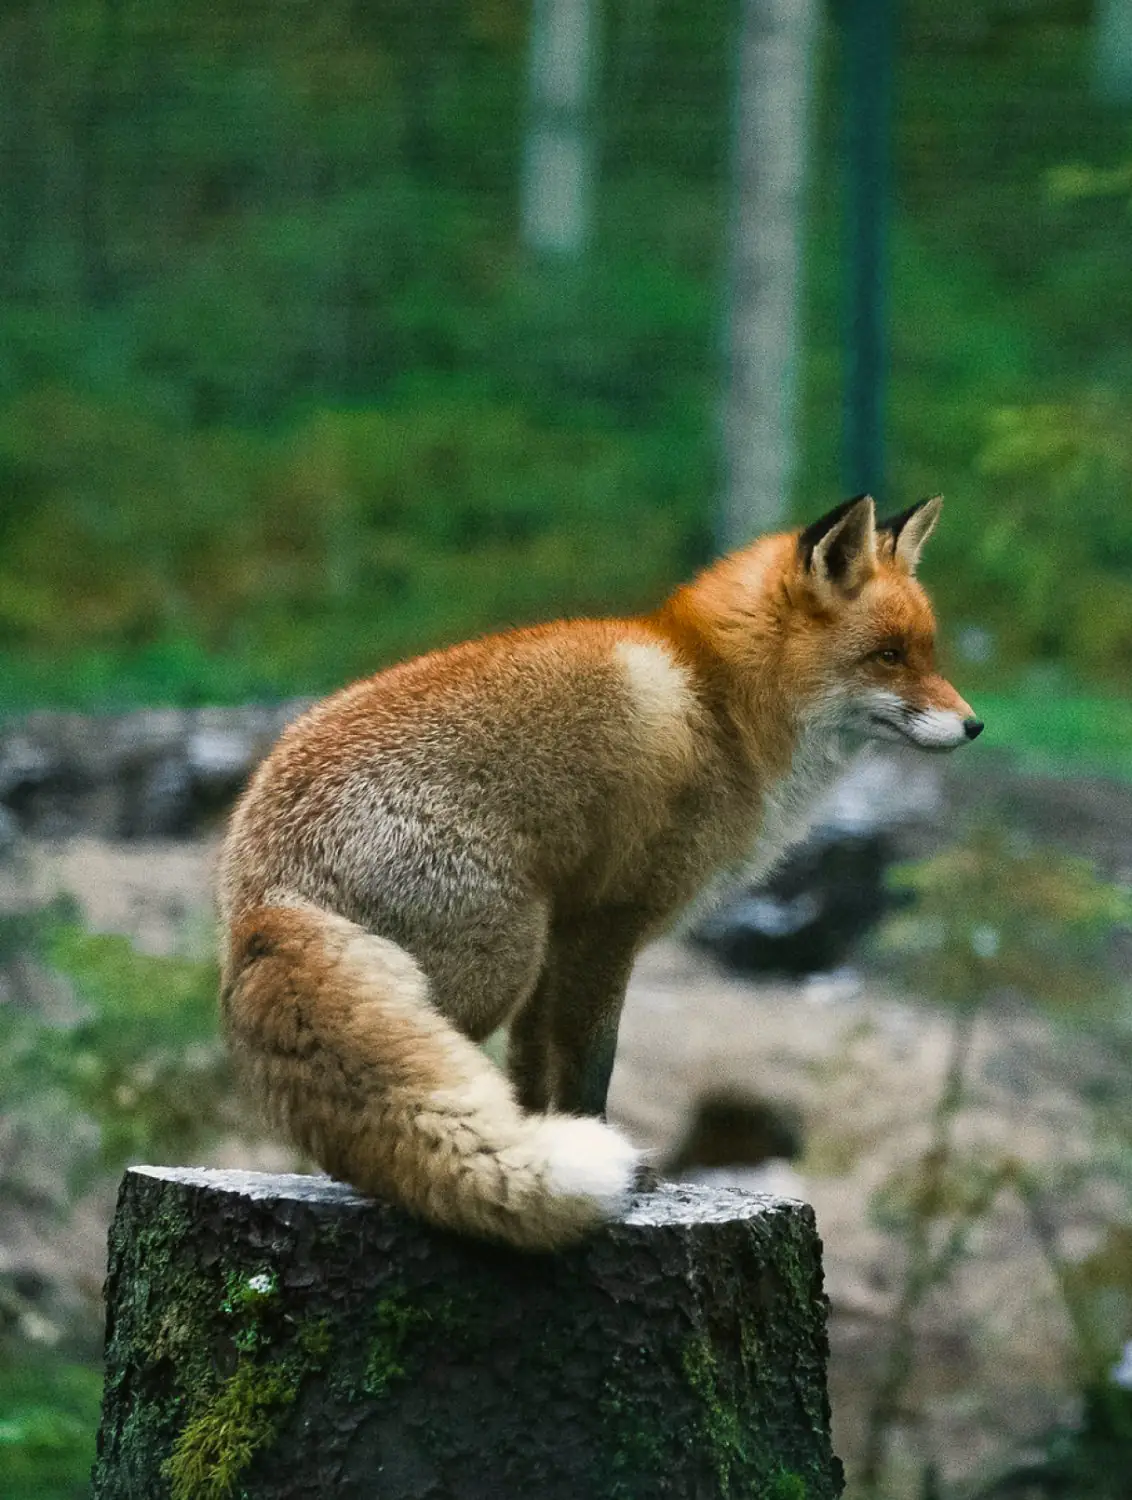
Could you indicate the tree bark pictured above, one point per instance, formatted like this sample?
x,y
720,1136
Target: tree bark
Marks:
x,y
1112,51
776,46
556,206
280,1336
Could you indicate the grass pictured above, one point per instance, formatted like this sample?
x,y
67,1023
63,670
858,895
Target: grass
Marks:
x,y
48,1416
1060,731
176,673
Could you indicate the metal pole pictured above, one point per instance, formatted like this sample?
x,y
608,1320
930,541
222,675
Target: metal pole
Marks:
x,y
868,42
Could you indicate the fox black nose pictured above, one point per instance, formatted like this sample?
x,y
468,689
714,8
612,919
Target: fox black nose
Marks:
x,y
972,728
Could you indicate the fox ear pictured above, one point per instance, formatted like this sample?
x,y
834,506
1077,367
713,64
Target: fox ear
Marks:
x,y
906,533
839,551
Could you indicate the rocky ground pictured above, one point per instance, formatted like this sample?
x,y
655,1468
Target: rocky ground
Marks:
x,y
835,1072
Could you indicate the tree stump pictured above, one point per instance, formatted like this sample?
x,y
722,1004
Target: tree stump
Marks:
x,y
272,1336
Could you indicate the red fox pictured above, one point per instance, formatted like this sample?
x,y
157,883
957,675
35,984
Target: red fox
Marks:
x,y
488,834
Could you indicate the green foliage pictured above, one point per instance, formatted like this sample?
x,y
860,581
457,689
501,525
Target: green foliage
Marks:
x,y
1051,727
136,1073
1099,1287
322,417
350,537
1054,555
48,1417
1077,181
992,915
143,1062
1006,304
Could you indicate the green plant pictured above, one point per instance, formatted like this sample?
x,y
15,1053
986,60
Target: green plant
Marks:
x,y
134,1071
990,917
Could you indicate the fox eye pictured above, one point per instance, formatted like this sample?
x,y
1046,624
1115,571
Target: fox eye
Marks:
x,y
892,656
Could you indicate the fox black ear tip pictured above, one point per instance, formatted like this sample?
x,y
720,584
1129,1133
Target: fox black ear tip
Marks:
x,y
894,525
812,534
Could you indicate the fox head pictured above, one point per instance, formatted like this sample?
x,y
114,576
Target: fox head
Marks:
x,y
858,634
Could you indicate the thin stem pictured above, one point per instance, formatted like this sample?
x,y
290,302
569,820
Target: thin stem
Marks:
x,y
923,1270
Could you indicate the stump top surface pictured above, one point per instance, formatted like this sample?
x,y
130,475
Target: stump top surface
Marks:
x,y
668,1204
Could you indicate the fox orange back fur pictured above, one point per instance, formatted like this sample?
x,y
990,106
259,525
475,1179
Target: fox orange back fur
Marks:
x,y
487,835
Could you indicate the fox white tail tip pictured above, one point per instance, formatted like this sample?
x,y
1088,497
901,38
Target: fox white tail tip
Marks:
x,y
586,1159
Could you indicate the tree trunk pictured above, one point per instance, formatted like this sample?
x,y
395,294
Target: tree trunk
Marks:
x,y
1112,51
776,46
557,183
281,1336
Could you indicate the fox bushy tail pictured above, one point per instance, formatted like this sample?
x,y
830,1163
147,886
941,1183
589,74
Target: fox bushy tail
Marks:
x,y
334,1030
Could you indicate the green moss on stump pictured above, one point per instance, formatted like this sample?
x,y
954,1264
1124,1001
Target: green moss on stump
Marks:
x,y
397,1321
190,1324
220,1441
787,1486
232,1418
720,1424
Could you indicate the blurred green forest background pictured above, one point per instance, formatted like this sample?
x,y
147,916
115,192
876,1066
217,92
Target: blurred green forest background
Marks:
x,y
281,398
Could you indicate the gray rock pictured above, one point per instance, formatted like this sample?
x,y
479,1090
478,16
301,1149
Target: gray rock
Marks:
x,y
156,773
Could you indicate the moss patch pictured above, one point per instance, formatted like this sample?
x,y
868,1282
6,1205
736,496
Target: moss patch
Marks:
x,y
642,1442
720,1427
787,1486
636,1443
400,1328
242,1414
218,1443
396,1324
232,1418
724,1395
169,1328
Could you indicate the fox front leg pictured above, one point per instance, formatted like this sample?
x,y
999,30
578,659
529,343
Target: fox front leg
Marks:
x,y
586,1066
564,1042
562,1060
529,1057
